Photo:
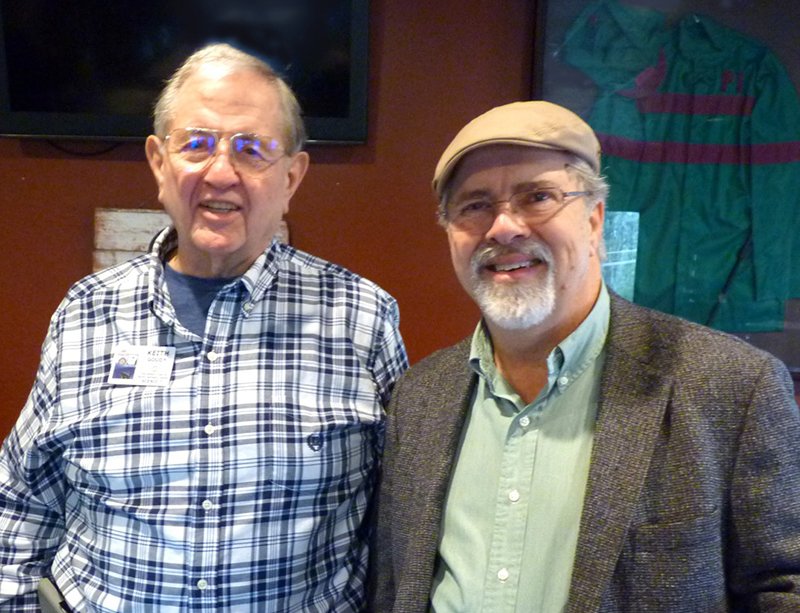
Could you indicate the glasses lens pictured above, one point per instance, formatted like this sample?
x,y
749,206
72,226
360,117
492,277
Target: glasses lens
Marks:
x,y
477,215
536,204
192,145
471,215
254,153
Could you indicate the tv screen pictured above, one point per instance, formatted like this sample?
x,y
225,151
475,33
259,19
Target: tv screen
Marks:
x,y
92,69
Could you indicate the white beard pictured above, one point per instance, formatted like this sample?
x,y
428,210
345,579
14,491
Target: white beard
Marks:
x,y
514,306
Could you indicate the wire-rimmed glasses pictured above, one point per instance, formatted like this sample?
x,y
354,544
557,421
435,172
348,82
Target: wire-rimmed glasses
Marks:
x,y
476,214
249,153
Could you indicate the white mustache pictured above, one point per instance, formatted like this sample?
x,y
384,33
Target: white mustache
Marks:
x,y
533,249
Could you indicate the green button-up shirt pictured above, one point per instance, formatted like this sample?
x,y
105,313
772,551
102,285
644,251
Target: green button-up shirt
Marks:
x,y
513,508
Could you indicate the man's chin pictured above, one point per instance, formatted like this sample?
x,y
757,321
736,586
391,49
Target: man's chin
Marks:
x,y
514,307
517,321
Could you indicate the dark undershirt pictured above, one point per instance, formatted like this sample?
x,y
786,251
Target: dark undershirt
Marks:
x,y
192,297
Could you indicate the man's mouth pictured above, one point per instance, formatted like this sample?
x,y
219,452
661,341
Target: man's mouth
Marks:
x,y
513,261
513,265
219,206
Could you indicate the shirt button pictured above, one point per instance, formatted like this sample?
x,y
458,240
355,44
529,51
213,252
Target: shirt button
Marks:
x,y
503,575
524,421
248,306
208,505
212,356
514,496
210,429
202,584
563,380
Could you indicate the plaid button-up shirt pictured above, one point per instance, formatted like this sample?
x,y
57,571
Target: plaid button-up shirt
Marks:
x,y
242,483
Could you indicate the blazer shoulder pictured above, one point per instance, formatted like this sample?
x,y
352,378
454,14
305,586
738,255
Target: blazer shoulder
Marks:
x,y
675,345
440,379
443,362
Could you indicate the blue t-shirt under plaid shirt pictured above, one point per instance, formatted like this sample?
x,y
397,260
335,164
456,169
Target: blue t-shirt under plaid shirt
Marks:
x,y
240,484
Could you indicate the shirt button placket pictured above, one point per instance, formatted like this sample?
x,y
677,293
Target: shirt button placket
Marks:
x,y
209,525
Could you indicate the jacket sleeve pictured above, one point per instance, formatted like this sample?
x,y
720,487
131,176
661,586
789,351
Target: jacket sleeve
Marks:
x,y
765,498
381,587
775,180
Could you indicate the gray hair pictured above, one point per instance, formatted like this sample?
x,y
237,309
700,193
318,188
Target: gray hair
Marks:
x,y
591,181
597,185
226,56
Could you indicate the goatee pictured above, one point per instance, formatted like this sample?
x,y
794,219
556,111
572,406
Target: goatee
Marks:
x,y
514,306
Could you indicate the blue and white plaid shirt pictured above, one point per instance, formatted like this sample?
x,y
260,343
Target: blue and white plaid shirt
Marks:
x,y
242,484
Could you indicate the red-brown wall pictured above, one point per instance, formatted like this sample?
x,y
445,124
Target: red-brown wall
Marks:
x,y
434,65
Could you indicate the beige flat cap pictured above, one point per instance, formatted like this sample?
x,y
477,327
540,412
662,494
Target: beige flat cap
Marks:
x,y
534,123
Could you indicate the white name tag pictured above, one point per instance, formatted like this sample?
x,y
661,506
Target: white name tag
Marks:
x,y
141,365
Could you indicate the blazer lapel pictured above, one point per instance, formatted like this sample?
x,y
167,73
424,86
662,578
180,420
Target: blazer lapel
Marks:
x,y
430,431
633,400
449,408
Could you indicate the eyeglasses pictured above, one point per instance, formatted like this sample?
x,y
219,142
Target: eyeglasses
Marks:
x,y
536,206
249,153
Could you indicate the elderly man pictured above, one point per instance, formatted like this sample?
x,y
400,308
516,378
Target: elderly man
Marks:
x,y
205,426
577,453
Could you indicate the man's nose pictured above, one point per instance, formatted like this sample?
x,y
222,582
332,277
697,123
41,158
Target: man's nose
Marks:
x,y
222,168
507,224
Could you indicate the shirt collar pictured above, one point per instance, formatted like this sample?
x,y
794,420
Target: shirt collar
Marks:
x,y
566,361
255,279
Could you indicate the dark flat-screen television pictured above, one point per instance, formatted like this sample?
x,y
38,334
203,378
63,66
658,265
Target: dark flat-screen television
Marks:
x,y
91,69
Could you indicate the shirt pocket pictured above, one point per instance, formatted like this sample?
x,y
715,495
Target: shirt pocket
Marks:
x,y
326,459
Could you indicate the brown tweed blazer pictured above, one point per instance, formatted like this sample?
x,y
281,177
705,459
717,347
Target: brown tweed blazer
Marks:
x,y
693,500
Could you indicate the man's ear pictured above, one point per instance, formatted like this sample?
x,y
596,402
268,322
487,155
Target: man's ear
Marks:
x,y
298,165
156,159
596,221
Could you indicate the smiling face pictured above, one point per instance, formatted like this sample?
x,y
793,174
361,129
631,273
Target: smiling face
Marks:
x,y
224,219
525,275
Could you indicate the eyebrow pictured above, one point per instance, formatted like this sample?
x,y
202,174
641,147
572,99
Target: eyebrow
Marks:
x,y
517,187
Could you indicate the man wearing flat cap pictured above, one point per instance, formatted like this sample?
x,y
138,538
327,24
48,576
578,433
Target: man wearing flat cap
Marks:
x,y
577,453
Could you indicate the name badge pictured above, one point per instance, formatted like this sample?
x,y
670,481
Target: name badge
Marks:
x,y
141,365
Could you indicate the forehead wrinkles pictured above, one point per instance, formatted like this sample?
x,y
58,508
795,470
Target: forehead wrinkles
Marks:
x,y
243,101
